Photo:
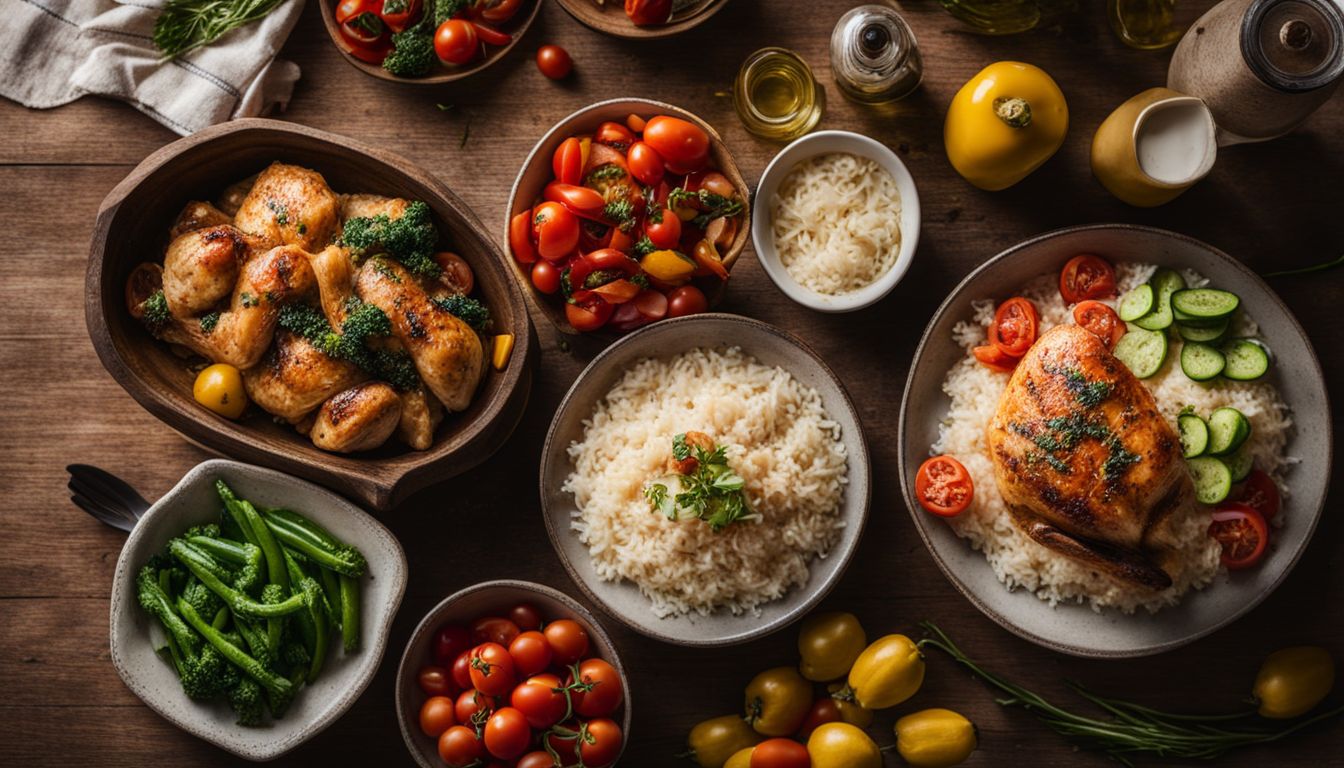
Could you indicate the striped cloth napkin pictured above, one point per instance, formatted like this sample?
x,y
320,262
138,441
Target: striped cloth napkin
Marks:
x,y
55,51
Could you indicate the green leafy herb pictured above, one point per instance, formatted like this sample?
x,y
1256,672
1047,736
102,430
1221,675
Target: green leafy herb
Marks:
x,y
248,300
711,492
208,323
446,9
185,25
644,247
601,277
710,205
468,310
622,212
604,172
566,290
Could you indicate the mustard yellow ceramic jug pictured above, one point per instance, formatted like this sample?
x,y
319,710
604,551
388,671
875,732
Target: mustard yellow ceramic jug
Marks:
x,y
1154,147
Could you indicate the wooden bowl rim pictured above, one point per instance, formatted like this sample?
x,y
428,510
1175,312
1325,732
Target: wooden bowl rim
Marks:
x,y
448,76
728,166
380,482
589,15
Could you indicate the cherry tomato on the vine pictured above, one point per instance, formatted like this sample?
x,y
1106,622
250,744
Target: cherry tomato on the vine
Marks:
x,y
539,701
604,692
507,733
492,670
569,641
459,747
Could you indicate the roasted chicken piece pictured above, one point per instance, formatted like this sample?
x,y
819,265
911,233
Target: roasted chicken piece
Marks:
x,y
335,275
361,206
201,267
1086,463
294,378
447,352
359,419
197,215
420,416
289,205
231,199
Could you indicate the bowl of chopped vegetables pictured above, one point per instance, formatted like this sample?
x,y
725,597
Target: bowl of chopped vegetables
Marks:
x,y
426,41
251,608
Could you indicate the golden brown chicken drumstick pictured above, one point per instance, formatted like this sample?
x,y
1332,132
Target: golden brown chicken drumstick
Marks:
x,y
1085,462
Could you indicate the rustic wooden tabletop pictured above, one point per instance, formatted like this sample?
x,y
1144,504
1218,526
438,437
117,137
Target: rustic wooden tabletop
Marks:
x,y
1271,205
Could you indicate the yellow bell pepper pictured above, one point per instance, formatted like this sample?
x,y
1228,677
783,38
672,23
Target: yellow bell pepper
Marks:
x,y
829,643
740,759
668,266
887,672
841,745
1004,123
499,354
715,740
1293,681
777,700
935,738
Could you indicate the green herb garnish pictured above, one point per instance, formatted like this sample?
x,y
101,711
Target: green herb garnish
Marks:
x,y
712,492
185,25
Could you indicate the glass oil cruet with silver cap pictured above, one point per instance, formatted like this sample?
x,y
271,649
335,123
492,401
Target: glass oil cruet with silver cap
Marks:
x,y
874,56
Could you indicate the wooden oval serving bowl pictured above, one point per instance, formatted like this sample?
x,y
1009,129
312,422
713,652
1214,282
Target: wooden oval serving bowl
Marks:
x,y
610,18
536,173
442,73
132,227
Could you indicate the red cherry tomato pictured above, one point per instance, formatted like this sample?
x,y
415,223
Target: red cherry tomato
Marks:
x,y
994,359
470,702
602,745
365,38
459,747
461,670
554,62
586,318
645,163
684,146
491,36
539,701
1261,493
943,486
494,11
686,300
644,13
635,123
1242,532
546,277
437,681
538,759
583,201
1101,320
1014,328
451,641
555,229
436,716
600,691
526,616
520,237
531,653
493,629
349,9
652,305
567,162
399,14
614,135
456,42
507,733
1086,277
492,671
569,641
824,710
663,228
780,753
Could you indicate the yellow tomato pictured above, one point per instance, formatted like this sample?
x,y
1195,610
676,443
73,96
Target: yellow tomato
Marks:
x,y
740,758
849,711
935,738
715,740
841,745
220,388
777,700
1004,123
887,672
829,643
1294,680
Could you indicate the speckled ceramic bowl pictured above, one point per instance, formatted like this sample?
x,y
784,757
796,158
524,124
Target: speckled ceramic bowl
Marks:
x,y
490,598
666,338
193,501
1077,629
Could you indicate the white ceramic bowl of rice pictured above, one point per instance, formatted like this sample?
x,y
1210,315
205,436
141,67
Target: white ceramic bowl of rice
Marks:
x,y
837,221
1051,599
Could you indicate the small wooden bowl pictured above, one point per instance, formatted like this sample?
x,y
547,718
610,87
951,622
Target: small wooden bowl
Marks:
x,y
132,227
536,173
610,18
442,73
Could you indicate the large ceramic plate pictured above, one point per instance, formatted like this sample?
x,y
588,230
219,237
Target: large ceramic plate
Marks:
x,y
666,338
1077,629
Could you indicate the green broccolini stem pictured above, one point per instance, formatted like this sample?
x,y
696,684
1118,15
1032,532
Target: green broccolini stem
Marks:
x,y
250,519
314,542
313,621
331,585
350,614
196,562
273,683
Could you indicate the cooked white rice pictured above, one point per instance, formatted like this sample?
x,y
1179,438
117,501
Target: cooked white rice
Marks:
x,y
987,525
836,221
779,440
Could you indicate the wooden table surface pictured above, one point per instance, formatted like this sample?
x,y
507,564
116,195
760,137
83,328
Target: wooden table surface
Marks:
x,y
1272,205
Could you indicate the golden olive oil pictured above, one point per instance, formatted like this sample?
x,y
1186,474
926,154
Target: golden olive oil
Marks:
x,y
776,95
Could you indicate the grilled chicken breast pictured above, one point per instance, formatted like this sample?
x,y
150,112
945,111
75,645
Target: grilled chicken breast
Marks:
x,y
295,378
1084,460
289,205
201,267
359,419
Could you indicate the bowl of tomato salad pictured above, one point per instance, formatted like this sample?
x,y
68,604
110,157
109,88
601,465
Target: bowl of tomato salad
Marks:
x,y
626,212
426,41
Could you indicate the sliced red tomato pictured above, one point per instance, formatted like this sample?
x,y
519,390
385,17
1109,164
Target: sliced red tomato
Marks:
x,y
621,241
1242,532
494,11
994,359
604,265
1086,277
595,234
588,317
567,162
943,486
583,201
651,304
399,14
600,155
1261,493
491,36
360,41
617,291
349,9
1101,320
1014,328
520,237
644,13
614,135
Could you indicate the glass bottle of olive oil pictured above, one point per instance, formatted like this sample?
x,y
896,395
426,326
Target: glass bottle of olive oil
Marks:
x,y
1145,24
776,95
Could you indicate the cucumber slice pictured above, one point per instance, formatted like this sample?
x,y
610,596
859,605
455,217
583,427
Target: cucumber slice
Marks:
x,y
1194,435
1136,303
1239,464
1200,361
1228,429
1203,306
1165,282
1213,480
1212,335
1142,351
1246,360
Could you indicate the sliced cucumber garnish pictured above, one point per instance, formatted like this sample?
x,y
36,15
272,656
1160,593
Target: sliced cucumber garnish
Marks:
x,y
1228,429
1239,464
1194,435
1203,306
1211,335
1142,351
1137,303
1213,480
1246,360
1165,282
1200,361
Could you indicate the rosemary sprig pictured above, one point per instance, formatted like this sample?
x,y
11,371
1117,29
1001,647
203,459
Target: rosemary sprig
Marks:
x,y
186,25
1133,729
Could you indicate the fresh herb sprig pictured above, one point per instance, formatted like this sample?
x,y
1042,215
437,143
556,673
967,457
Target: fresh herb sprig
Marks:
x,y
186,25
713,492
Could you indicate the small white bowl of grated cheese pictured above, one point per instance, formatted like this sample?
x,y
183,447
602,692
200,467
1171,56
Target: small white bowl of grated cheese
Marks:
x,y
837,221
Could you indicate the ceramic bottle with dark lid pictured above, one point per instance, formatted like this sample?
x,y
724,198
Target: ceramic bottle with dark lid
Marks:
x,y
1261,66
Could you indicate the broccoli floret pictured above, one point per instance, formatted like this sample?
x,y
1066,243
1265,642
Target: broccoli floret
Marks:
x,y
468,310
362,322
209,530
199,564
154,311
279,690
409,239
245,558
205,602
258,644
446,9
182,641
248,702
396,368
203,672
412,53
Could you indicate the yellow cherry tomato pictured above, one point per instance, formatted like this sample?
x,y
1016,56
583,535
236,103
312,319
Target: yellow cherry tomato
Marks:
x,y
777,700
220,388
887,672
935,738
740,758
841,745
849,711
1004,123
1294,680
829,643
715,740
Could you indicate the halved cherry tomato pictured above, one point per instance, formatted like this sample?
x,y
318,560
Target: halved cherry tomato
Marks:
x,y
554,62
646,13
455,274
399,14
520,237
683,145
1101,320
494,11
451,641
492,670
663,229
617,291
1014,328
493,629
1242,532
943,486
1261,493
994,359
1086,277
567,162
365,38
588,317
583,201
456,42
614,135
555,230
645,163
546,277
686,300
604,692
635,123
491,36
